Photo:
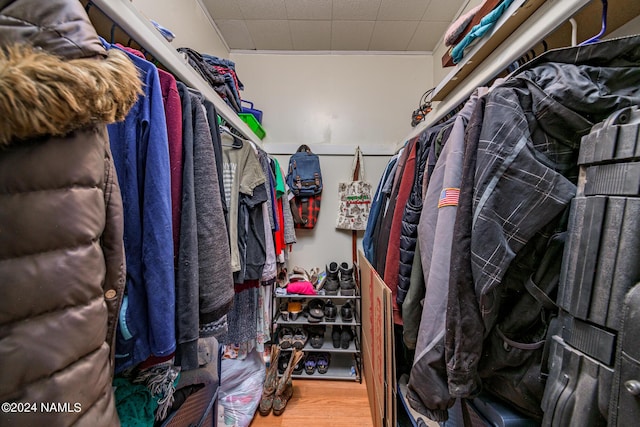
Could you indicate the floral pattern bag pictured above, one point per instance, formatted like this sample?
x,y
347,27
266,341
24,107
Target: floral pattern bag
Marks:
x,y
354,198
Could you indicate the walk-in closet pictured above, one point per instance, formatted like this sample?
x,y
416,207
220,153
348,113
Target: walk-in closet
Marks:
x,y
268,213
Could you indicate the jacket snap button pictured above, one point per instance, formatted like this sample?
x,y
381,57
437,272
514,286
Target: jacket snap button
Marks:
x,y
110,294
633,387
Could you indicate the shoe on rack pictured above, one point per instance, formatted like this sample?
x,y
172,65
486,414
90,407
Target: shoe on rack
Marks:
x,y
335,336
322,362
284,390
313,276
347,282
345,338
316,335
310,364
332,283
285,338
316,310
299,338
284,311
270,382
283,362
294,308
346,312
297,370
330,311
298,274
282,279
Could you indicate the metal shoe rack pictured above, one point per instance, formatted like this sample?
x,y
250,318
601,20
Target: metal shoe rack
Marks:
x,y
344,364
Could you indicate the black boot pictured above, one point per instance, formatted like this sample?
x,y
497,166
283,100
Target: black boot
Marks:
x,y
332,283
347,283
336,335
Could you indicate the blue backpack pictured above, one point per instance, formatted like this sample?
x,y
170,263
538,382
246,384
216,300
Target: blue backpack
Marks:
x,y
304,176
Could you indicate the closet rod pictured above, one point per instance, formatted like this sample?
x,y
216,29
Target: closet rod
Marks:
x,y
132,22
549,16
331,149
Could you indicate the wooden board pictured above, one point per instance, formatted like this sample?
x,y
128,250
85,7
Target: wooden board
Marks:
x,y
390,361
487,45
377,344
487,7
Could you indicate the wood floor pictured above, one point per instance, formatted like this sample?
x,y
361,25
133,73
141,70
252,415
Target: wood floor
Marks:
x,y
322,403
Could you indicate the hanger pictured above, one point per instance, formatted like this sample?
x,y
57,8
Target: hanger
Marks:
x,y
237,142
113,33
596,38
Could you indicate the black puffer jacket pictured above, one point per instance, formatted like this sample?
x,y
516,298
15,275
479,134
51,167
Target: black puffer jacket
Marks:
x,y
431,142
410,218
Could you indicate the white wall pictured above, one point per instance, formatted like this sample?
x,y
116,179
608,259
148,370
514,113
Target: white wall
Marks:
x,y
323,244
332,103
189,22
334,99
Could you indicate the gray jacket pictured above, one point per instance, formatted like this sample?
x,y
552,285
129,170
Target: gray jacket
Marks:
x,y
522,182
435,234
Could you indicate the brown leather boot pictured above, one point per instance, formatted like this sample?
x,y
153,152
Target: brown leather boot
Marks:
x,y
284,391
270,383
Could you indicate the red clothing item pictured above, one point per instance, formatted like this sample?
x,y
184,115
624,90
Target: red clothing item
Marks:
x,y
225,70
248,284
173,114
278,236
392,264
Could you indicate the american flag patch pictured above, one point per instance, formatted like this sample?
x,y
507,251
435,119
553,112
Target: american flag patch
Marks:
x,y
449,197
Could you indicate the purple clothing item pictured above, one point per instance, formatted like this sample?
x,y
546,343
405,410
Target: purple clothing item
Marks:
x,y
173,115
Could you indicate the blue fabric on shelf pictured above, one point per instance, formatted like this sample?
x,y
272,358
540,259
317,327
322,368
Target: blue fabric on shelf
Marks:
x,y
482,28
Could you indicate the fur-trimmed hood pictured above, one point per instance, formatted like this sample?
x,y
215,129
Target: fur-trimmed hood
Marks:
x,y
42,94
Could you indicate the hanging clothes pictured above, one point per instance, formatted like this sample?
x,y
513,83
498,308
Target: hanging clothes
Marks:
x,y
61,215
251,239
173,119
241,174
425,320
518,190
430,144
245,191
204,290
383,225
392,260
280,191
269,270
376,203
141,156
214,128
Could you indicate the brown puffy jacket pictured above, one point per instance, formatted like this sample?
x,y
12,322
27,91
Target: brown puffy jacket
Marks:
x,y
61,251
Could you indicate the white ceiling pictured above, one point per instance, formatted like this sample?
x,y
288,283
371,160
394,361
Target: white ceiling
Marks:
x,y
333,25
